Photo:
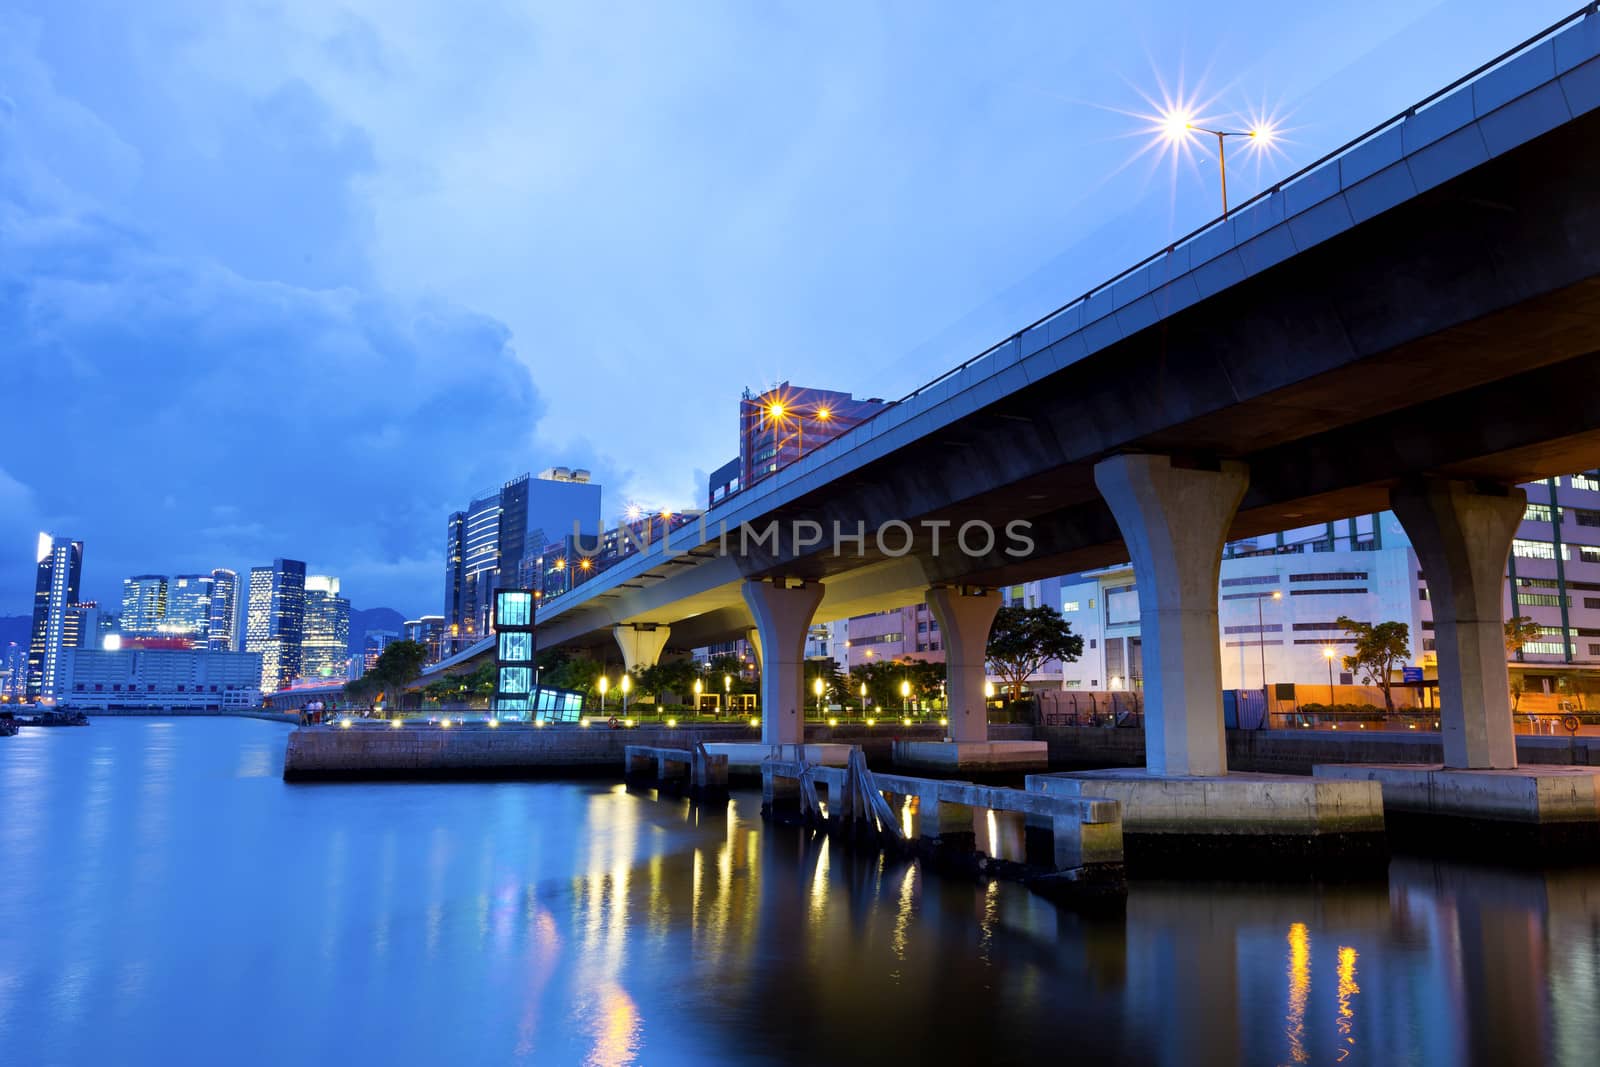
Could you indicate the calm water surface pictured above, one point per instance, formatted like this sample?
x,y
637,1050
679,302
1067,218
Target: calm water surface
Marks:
x,y
166,899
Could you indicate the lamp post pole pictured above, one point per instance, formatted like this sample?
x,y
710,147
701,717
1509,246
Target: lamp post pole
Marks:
x,y
1261,635
1327,654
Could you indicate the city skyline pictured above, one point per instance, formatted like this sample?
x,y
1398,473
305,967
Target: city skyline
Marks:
x,y
334,300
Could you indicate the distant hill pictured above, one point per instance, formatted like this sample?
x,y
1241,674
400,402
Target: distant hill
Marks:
x,y
16,628
373,619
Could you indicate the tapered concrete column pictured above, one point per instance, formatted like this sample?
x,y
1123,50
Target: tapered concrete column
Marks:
x,y
1462,538
1174,522
783,615
965,615
641,645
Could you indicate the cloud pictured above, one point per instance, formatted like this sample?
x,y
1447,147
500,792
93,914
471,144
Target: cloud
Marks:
x,y
179,411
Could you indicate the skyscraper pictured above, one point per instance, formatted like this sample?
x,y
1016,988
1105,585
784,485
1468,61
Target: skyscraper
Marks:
x,y
188,611
275,620
224,611
144,603
486,544
56,586
325,651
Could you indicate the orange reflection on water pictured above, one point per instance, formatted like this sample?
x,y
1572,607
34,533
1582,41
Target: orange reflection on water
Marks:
x,y
616,1033
1299,989
1347,989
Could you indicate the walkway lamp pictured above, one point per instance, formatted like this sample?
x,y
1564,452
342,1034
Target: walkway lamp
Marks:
x,y
605,684
988,690
626,684
697,688
816,687
905,696
1328,654
1176,126
863,698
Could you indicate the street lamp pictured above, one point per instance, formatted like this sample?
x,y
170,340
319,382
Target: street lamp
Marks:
x,y
697,688
627,684
816,687
1177,125
1261,636
1327,654
605,683
905,696
863,699
727,691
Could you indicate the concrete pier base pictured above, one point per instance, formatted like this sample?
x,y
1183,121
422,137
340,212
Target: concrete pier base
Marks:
x,y
1532,812
1270,825
972,757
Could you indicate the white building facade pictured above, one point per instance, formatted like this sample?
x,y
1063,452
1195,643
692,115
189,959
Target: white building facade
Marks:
x,y
159,679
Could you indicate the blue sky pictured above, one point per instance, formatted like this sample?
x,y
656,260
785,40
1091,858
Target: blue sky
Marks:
x,y
295,278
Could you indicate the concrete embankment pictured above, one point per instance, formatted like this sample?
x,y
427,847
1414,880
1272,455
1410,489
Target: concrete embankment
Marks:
x,y
371,750
1297,751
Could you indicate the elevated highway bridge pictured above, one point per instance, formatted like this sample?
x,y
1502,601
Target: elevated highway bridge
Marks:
x,y
1412,322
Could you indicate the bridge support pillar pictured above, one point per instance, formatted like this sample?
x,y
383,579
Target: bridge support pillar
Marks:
x,y
641,644
965,615
1462,538
783,615
1175,521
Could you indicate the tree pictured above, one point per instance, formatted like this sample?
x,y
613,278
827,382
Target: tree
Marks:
x,y
1023,639
1519,631
399,664
561,669
674,676
1575,687
1379,646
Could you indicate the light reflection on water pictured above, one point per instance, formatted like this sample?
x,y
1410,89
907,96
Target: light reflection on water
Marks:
x,y
160,901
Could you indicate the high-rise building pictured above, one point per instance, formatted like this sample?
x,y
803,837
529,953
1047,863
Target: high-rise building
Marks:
x,y
275,621
428,631
485,545
325,649
82,627
782,424
13,670
224,611
144,603
188,611
60,563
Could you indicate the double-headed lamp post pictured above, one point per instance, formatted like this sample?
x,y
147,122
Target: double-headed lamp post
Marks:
x,y
1178,125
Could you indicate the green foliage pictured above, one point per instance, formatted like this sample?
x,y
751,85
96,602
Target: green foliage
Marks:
x,y
1519,631
675,676
884,679
1022,639
1380,647
1343,711
399,664
564,670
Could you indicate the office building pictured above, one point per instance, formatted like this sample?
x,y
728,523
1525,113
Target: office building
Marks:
x,y
486,545
60,567
160,678
13,671
275,621
224,627
83,626
325,647
780,425
428,631
188,610
144,603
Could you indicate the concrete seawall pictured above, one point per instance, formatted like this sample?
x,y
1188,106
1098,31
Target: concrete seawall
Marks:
x,y
371,751
1297,751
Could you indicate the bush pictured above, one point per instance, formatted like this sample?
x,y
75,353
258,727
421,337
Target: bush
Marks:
x,y
1343,711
